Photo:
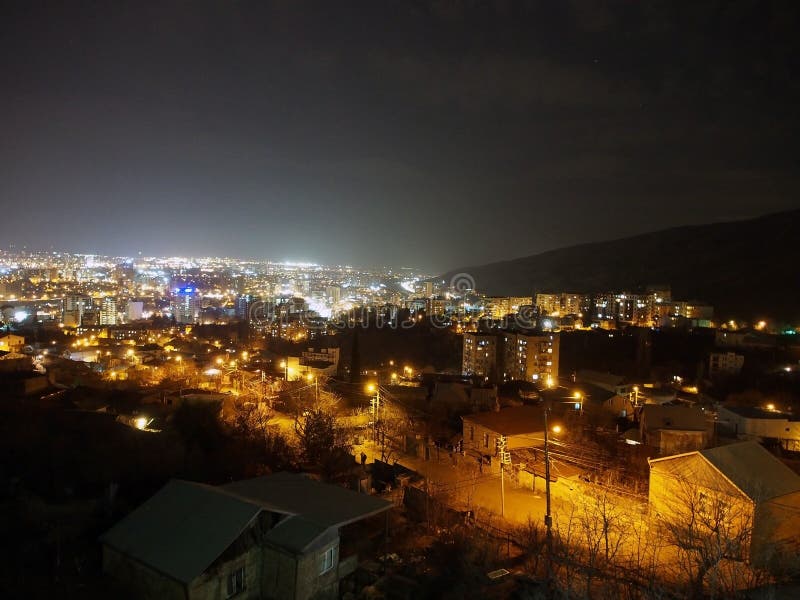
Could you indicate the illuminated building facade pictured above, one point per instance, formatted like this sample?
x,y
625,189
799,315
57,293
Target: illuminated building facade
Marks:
x,y
108,311
481,353
529,357
186,305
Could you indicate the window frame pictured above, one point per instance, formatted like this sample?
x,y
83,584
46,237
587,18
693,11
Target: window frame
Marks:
x,y
325,567
236,582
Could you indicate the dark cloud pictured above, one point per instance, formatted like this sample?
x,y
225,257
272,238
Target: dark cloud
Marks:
x,y
430,133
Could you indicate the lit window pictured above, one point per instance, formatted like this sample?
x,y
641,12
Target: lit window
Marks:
x,y
485,440
326,560
236,582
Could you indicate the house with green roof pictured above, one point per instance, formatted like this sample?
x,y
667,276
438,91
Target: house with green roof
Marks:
x,y
277,536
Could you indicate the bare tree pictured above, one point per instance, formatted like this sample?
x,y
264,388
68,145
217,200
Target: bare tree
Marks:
x,y
710,533
602,527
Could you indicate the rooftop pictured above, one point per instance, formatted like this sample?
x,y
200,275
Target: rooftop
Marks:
x,y
753,470
182,529
755,412
517,420
673,417
325,504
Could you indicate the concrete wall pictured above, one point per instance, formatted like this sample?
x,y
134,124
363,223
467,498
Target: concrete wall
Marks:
x,y
669,441
777,529
671,480
681,487
747,428
312,584
143,581
288,577
619,403
279,575
526,440
213,584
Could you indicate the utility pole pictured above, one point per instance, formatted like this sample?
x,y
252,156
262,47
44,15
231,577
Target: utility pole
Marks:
x,y
264,388
548,518
505,458
375,406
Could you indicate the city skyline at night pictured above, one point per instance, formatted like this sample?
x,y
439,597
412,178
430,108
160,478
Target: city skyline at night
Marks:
x,y
381,299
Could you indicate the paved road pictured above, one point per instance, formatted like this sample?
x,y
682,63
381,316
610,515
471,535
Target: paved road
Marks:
x,y
468,487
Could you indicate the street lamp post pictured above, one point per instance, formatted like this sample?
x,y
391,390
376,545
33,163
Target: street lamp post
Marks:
x,y
376,401
310,377
264,388
579,398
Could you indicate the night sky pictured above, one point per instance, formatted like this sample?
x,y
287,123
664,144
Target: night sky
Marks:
x,y
428,134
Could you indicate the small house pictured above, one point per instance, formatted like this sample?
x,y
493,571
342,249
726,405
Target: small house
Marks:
x,y
277,536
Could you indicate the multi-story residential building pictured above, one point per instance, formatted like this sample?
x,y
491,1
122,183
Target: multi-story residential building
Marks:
x,y
135,311
243,304
548,304
439,306
90,318
11,343
573,304
665,312
74,307
696,310
531,357
185,305
481,354
334,293
562,304
499,307
108,311
724,363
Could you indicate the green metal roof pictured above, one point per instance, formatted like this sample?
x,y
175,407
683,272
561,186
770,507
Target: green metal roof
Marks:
x,y
182,529
324,504
185,526
294,533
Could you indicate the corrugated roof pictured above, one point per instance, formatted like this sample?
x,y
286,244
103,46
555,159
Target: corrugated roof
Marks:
x,y
753,470
517,420
323,504
182,529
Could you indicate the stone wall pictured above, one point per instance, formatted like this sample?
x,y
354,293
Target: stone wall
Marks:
x,y
143,581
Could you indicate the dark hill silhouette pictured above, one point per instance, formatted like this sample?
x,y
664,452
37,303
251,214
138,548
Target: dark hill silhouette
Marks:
x,y
746,269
